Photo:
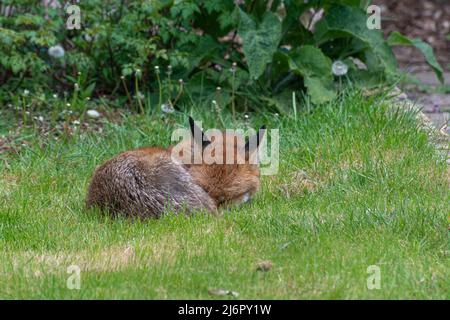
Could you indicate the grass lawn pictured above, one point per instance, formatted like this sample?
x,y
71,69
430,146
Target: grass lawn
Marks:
x,y
359,185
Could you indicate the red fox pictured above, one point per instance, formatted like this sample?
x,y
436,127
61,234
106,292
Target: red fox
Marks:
x,y
146,182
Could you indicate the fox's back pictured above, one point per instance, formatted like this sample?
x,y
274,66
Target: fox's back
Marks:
x,y
144,183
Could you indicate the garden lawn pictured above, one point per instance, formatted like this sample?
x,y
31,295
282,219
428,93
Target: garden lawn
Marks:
x,y
359,184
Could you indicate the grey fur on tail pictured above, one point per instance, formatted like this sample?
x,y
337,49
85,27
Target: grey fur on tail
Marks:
x,y
130,184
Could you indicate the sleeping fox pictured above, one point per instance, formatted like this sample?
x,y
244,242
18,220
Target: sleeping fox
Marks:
x,y
146,182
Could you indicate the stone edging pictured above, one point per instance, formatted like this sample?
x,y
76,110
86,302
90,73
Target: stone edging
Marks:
x,y
438,136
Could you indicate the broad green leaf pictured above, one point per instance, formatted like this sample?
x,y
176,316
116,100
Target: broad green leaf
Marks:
x,y
309,60
396,38
280,70
363,78
315,67
205,48
319,90
281,102
354,3
343,20
259,42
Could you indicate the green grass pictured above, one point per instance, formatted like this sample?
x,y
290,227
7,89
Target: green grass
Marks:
x,y
359,184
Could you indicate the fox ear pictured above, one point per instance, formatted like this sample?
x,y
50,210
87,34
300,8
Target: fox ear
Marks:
x,y
250,145
198,135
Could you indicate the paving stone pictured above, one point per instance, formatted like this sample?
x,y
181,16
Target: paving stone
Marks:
x,y
429,78
435,105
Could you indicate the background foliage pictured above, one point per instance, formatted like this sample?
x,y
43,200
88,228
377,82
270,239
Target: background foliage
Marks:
x,y
241,54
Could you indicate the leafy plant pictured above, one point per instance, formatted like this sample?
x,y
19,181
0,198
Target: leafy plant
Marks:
x,y
255,52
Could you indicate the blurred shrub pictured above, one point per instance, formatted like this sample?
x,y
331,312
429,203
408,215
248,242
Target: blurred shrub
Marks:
x,y
257,52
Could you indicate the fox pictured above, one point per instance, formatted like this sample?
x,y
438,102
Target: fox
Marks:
x,y
146,182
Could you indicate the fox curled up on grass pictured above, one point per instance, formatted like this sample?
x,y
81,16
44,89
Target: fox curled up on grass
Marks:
x,y
145,182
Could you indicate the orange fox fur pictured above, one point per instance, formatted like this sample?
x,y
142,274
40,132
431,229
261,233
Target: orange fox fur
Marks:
x,y
147,181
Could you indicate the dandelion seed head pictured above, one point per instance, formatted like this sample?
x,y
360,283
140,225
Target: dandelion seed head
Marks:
x,y
167,108
339,68
56,51
93,114
233,67
140,95
87,37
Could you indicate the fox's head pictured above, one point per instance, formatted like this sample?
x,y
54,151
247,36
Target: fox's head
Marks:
x,y
223,164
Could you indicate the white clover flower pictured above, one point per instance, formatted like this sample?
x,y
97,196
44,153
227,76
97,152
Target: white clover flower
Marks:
x,y
138,73
55,96
56,51
166,108
93,114
339,68
26,92
76,86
